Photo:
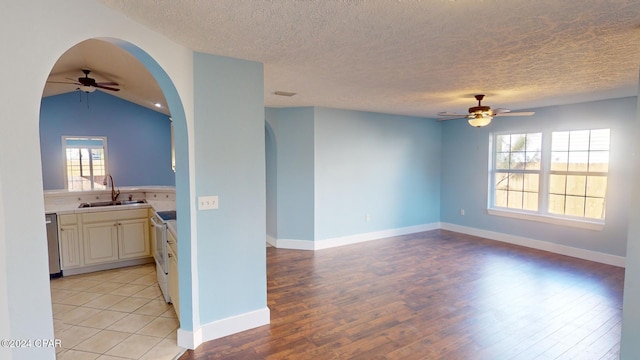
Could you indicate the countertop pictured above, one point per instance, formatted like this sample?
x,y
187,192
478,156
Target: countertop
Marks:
x,y
67,202
158,198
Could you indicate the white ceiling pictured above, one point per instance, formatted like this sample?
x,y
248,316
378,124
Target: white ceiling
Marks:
x,y
410,57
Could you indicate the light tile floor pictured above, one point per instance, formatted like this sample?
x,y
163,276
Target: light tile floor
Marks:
x,y
113,314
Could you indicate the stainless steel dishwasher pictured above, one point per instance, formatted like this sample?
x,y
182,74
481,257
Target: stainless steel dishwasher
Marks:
x,y
51,220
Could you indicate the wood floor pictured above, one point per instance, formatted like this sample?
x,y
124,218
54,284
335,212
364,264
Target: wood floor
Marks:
x,y
433,295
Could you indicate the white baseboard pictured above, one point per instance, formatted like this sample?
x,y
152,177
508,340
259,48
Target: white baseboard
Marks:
x,y
293,244
189,339
107,266
492,235
350,239
224,327
539,244
271,240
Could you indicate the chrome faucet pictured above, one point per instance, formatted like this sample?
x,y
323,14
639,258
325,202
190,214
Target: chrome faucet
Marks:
x,y
114,193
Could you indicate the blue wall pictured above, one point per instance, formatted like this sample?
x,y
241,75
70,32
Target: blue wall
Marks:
x,y
229,138
465,182
336,166
138,139
293,129
387,166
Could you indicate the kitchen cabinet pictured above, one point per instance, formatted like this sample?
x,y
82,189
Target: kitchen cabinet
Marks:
x,y
174,289
133,238
110,236
69,241
100,242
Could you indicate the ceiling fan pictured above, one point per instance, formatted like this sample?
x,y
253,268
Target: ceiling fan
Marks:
x,y
482,115
88,84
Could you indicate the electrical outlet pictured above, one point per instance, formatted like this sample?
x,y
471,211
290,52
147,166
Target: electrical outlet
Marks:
x,y
462,212
207,202
367,218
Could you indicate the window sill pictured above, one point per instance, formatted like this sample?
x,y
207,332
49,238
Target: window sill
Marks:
x,y
582,224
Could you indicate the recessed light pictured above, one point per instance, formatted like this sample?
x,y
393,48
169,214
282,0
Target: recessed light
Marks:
x,y
284,93
158,105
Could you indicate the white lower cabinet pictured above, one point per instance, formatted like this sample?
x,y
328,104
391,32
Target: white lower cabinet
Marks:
x,y
100,243
133,238
174,288
174,291
70,242
110,236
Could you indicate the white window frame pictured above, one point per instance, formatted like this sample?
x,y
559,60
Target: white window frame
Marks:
x,y
542,215
64,157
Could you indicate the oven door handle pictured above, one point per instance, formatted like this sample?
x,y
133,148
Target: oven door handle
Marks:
x,y
154,223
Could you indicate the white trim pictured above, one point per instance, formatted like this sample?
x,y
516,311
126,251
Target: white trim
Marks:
x,y
107,266
577,223
357,238
271,240
224,327
189,339
539,244
295,244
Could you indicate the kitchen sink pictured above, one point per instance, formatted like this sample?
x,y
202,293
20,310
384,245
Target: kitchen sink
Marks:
x,y
112,203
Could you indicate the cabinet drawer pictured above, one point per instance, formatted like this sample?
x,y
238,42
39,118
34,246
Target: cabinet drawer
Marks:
x,y
115,215
67,219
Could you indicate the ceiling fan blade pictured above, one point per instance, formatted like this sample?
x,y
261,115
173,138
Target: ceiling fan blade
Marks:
x,y
444,113
106,87
518,113
107,83
63,82
454,118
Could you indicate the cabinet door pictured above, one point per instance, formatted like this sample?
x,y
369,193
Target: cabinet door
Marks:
x,y
69,247
100,242
134,238
174,291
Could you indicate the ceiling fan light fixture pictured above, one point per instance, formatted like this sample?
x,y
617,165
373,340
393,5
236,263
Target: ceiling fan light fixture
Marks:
x,y
478,120
86,88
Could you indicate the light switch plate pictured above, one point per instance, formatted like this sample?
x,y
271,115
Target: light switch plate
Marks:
x,y
207,202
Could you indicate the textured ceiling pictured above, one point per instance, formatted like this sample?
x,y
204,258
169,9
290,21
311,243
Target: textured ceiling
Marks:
x,y
415,57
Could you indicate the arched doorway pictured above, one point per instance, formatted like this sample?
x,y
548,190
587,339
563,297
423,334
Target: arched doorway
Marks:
x,y
174,105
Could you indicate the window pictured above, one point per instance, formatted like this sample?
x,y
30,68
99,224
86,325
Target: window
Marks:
x,y
517,171
578,176
560,174
85,162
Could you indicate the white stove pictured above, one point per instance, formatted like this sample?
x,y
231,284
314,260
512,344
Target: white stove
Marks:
x,y
159,223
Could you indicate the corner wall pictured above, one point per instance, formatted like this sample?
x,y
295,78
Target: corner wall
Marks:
x,y
294,159
230,163
374,172
629,345
348,176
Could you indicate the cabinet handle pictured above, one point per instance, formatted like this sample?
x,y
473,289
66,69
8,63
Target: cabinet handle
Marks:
x,y
170,255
